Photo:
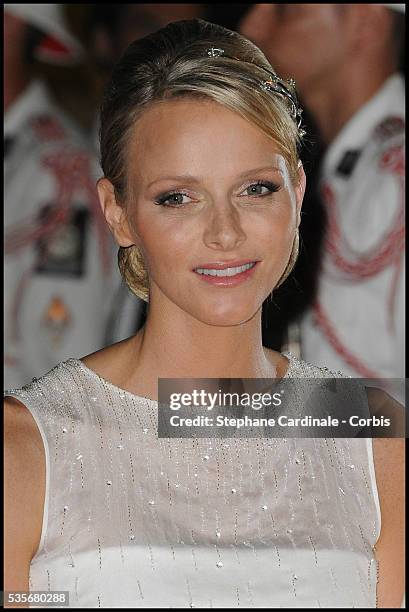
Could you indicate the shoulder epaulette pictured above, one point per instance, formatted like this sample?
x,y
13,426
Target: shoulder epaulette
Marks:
x,y
390,127
47,127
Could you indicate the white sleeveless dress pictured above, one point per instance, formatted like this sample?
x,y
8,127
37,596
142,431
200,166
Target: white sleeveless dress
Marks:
x,y
131,520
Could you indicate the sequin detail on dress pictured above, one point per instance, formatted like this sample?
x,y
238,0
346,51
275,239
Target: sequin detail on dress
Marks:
x,y
136,521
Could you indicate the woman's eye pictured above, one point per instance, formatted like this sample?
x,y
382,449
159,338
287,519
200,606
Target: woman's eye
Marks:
x,y
261,188
177,199
174,199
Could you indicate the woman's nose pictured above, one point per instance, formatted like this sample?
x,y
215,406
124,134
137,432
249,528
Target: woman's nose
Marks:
x,y
224,230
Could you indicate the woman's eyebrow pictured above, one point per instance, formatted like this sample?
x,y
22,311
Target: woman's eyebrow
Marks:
x,y
194,179
262,169
176,177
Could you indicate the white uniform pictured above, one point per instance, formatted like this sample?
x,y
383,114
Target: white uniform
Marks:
x,y
59,262
357,324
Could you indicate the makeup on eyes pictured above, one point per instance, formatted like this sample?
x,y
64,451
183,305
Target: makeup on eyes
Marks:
x,y
271,186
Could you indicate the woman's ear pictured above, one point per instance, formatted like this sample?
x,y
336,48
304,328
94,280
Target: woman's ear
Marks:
x,y
300,191
114,213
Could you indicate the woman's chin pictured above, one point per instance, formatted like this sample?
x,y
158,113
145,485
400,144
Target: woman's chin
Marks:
x,y
226,317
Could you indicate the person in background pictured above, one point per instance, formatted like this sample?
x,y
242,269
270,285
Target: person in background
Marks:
x,y
110,30
349,81
58,254
112,27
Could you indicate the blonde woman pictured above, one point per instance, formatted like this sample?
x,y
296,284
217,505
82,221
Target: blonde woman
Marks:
x,y
202,190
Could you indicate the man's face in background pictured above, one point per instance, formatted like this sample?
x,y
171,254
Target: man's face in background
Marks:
x,y
302,41
139,20
124,23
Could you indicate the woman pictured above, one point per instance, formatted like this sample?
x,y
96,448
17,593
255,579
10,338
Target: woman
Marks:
x,y
202,190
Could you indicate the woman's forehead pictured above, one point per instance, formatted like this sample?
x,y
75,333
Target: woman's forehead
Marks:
x,y
199,132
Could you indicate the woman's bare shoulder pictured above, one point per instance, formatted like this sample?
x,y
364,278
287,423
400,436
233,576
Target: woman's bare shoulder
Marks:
x,y
20,423
389,463
24,489
24,447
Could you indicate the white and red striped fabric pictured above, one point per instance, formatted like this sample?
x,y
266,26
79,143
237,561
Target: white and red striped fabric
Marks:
x,y
357,323
51,205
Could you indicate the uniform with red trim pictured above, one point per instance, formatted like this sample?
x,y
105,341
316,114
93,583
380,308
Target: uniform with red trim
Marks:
x,y
58,253
357,323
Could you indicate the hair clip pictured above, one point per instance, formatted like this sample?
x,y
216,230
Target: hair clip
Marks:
x,y
285,89
215,52
276,85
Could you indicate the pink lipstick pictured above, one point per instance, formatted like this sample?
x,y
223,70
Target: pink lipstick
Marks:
x,y
226,274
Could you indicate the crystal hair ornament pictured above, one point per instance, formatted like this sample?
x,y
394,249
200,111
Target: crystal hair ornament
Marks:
x,y
215,52
285,89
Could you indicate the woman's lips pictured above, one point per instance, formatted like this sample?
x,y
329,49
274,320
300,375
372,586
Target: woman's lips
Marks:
x,y
228,281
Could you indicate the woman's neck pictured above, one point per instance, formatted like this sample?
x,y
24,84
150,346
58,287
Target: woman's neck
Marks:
x,y
195,349
180,346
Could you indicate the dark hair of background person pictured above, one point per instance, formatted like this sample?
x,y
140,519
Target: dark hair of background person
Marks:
x,y
398,40
120,24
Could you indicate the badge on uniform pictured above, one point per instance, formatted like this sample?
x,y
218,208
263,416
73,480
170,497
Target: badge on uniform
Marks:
x,y
56,320
61,251
348,162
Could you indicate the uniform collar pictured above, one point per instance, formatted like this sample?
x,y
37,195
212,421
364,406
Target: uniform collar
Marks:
x,y
387,102
34,100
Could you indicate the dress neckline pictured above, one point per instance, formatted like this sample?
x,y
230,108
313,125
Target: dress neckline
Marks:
x,y
124,393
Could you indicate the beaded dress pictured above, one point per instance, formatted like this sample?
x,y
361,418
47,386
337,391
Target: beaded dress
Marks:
x,y
133,520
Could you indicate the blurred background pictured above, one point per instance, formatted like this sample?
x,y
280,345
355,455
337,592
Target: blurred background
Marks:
x,y
56,276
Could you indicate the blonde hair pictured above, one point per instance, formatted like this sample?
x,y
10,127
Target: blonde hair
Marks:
x,y
171,63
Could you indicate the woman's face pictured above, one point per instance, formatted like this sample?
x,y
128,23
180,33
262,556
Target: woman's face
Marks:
x,y
208,190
